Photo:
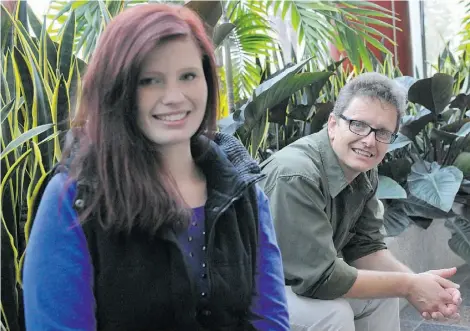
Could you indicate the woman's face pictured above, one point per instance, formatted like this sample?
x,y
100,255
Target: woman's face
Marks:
x,y
172,92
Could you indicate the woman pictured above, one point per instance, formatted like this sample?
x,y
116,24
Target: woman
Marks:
x,y
149,223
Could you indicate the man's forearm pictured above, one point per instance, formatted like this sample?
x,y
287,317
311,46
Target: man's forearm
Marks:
x,y
380,274
372,284
382,260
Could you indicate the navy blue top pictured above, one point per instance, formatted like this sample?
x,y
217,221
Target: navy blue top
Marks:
x,y
58,272
192,243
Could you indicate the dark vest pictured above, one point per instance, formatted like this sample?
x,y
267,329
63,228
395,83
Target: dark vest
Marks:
x,y
141,282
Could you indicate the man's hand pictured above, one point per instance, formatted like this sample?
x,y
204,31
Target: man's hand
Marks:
x,y
433,295
454,307
456,298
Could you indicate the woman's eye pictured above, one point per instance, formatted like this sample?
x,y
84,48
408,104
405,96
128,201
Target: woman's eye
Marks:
x,y
148,81
189,76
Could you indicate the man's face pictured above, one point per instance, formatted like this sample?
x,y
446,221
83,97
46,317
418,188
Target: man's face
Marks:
x,y
358,153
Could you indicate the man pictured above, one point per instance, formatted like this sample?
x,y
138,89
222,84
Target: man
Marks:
x,y
338,272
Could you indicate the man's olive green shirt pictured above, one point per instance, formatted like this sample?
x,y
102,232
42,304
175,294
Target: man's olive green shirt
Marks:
x,y
319,216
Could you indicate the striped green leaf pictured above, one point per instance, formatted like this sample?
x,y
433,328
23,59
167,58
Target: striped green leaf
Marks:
x,y
26,136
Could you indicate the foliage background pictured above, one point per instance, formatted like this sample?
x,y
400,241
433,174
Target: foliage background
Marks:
x,y
269,99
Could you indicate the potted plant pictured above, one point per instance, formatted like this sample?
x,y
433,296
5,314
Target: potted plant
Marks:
x,y
426,173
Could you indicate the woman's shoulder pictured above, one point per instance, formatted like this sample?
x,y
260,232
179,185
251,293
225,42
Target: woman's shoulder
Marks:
x,y
259,200
262,201
59,184
55,220
56,197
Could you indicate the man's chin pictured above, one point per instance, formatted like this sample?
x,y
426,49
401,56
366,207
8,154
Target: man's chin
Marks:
x,y
361,166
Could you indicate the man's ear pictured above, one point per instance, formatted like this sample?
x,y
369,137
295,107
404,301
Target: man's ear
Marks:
x,y
332,125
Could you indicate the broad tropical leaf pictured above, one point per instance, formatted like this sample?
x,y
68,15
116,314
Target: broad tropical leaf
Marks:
x,y
400,142
433,93
276,89
462,162
221,32
435,185
413,124
460,239
390,189
395,218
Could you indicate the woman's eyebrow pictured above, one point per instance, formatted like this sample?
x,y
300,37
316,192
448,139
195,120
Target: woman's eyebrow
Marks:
x,y
157,72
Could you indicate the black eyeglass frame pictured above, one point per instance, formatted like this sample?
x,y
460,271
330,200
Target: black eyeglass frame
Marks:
x,y
371,129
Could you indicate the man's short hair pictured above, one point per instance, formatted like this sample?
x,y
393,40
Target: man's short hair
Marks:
x,y
376,86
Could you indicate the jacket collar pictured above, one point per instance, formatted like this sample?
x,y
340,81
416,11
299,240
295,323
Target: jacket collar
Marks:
x,y
226,164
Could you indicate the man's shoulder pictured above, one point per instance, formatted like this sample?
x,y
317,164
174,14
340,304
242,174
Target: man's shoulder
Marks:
x,y
301,158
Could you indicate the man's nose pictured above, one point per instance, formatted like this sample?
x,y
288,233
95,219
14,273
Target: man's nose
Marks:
x,y
369,140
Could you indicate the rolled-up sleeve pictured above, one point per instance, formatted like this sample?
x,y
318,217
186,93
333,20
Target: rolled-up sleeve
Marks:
x,y
368,238
305,237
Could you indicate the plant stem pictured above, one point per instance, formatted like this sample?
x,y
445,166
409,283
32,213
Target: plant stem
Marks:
x,y
444,162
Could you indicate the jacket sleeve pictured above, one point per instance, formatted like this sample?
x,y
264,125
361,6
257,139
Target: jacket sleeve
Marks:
x,y
57,276
268,310
368,238
305,237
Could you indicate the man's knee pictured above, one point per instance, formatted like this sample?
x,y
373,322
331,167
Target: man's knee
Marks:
x,y
340,319
383,306
319,315
393,303
376,314
389,306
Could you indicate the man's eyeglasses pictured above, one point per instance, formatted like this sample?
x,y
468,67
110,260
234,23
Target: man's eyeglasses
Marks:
x,y
363,129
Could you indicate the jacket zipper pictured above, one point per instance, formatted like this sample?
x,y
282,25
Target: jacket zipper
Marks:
x,y
216,218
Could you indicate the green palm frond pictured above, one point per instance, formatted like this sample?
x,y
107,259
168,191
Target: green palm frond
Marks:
x,y
465,33
345,24
90,21
91,18
252,38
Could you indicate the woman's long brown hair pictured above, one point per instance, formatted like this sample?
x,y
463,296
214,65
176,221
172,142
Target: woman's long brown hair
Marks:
x,y
129,183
